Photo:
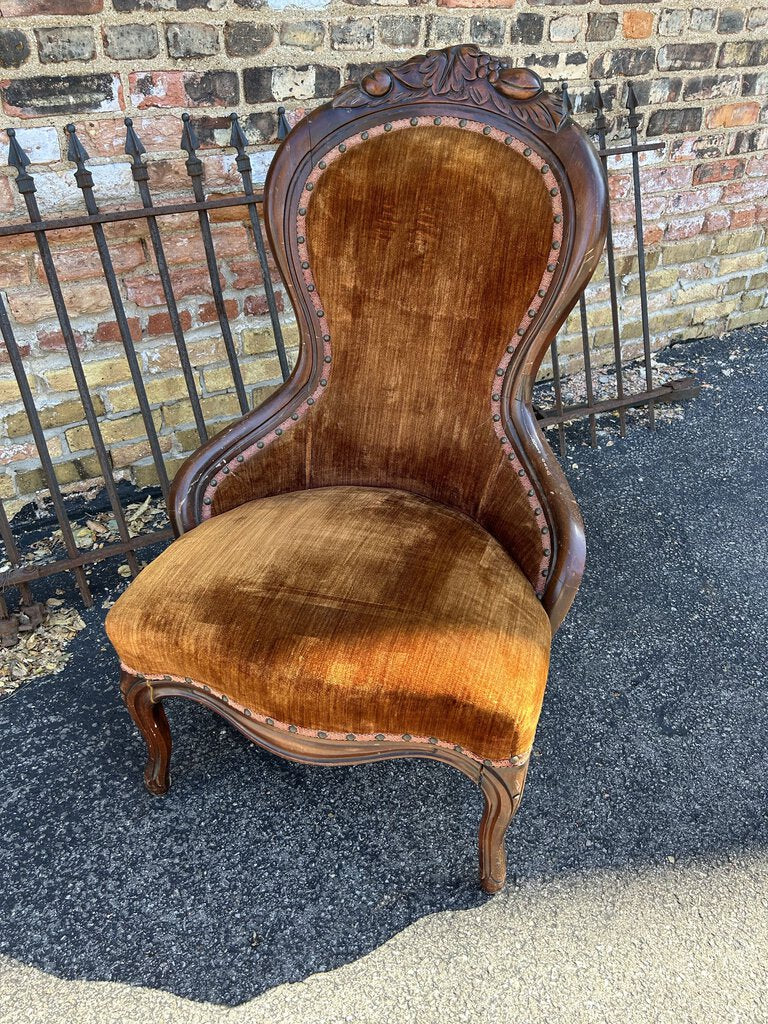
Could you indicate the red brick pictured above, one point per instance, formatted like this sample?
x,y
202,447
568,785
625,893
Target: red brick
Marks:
x,y
206,314
147,291
23,351
157,89
684,227
730,115
637,24
718,170
691,202
758,166
53,341
256,305
744,190
744,218
108,332
246,273
84,264
14,269
716,220
107,137
7,195
664,179
160,323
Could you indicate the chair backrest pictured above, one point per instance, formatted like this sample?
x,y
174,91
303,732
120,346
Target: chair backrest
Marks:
x,y
434,225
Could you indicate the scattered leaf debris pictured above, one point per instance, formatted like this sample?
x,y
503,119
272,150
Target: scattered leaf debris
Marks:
x,y
42,651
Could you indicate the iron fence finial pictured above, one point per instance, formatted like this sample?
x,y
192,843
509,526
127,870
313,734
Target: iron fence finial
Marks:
x,y
631,98
134,147
189,139
599,104
237,139
17,158
283,128
76,151
565,99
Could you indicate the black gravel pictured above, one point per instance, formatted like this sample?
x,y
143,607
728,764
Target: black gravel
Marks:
x,y
253,871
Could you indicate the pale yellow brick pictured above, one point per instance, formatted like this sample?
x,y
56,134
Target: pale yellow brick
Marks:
x,y
162,389
747,319
686,252
146,475
697,292
656,281
100,373
256,341
32,480
125,428
9,389
63,414
214,407
735,285
739,241
715,311
126,454
255,371
744,261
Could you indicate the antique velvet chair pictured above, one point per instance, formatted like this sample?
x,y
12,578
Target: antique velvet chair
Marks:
x,y
371,564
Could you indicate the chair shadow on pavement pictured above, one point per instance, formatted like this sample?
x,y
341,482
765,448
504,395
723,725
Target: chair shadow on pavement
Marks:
x,y
253,871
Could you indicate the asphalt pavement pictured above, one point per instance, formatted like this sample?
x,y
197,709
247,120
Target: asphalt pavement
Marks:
x,y
261,890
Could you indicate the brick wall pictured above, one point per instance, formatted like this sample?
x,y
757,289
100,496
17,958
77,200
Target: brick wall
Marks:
x,y
699,70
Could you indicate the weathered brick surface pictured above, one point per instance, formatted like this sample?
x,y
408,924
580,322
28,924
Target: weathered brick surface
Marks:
x,y
698,70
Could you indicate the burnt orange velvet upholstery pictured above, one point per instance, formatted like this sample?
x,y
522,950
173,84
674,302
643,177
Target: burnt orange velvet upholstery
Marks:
x,y
351,609
427,247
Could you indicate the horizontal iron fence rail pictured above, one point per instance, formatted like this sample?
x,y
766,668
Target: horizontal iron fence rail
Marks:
x,y
22,572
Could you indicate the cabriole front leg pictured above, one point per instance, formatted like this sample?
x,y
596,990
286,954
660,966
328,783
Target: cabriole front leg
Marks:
x,y
502,790
150,719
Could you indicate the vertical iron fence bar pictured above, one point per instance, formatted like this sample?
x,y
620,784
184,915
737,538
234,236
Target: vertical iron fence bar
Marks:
x,y
633,120
46,462
587,367
134,148
189,143
238,141
558,393
14,557
601,125
84,179
26,186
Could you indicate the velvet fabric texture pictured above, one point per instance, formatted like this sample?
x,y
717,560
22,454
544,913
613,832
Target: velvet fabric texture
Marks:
x,y
352,609
427,246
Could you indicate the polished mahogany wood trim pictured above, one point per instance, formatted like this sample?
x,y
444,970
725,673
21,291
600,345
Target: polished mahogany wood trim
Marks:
x,y
501,785
457,82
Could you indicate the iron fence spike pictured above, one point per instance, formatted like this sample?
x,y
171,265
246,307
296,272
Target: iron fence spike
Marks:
x,y
189,139
566,99
134,147
237,139
16,156
283,128
631,98
599,104
76,151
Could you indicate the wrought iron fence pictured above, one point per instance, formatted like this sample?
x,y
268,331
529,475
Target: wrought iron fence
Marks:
x,y
22,571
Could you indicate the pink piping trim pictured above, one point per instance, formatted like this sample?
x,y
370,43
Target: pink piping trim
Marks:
x,y
550,181
298,730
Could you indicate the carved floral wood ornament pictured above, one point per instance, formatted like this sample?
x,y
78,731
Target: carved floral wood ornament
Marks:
x,y
371,563
461,73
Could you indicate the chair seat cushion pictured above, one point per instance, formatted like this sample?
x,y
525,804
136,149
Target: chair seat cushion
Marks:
x,y
348,609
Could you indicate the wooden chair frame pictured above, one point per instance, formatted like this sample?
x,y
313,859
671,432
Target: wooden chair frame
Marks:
x,y
456,83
